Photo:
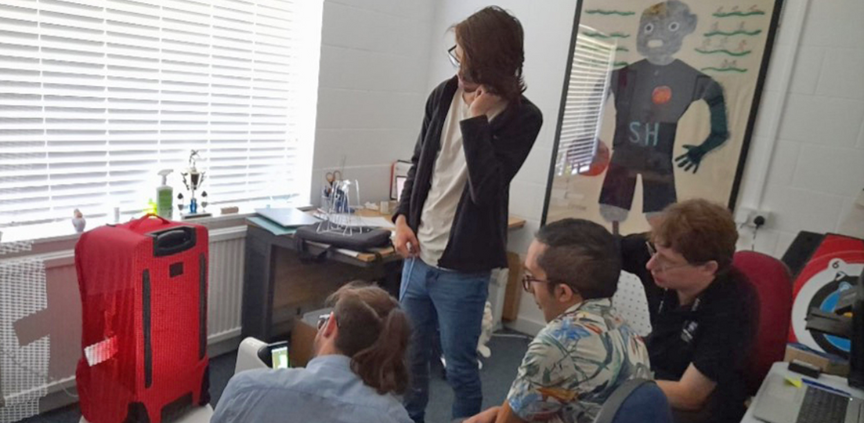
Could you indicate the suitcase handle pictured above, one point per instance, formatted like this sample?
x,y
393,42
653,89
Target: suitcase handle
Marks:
x,y
138,222
173,241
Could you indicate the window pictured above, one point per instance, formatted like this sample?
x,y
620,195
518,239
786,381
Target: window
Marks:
x,y
97,96
588,81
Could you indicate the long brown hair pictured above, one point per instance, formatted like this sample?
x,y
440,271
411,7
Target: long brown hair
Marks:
x,y
492,41
374,332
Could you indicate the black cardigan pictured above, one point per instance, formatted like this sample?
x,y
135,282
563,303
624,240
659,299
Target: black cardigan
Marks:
x,y
494,152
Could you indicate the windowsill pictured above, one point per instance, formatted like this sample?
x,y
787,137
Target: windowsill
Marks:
x,y
63,231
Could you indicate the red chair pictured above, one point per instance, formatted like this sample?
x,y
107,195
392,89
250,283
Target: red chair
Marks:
x,y
773,283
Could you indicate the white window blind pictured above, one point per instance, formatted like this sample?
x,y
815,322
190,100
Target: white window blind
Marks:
x,y
583,106
96,96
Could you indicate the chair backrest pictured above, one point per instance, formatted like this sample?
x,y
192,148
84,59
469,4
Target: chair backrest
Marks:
x,y
773,284
632,304
636,401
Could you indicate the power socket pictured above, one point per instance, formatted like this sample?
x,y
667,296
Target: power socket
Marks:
x,y
751,217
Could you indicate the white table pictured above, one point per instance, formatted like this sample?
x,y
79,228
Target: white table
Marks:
x,y
781,368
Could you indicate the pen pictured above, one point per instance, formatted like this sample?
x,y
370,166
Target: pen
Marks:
x,y
825,387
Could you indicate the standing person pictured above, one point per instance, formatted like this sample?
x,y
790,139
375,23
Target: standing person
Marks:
x,y
359,366
451,224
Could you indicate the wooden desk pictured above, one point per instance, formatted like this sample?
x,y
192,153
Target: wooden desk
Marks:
x,y
278,287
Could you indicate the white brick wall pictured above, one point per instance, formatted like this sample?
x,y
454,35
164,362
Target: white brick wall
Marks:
x,y
817,164
372,88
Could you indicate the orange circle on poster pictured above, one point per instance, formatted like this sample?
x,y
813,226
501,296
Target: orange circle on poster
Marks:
x,y
661,95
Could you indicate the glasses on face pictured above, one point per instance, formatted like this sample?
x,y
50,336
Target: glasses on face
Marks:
x,y
451,54
528,279
662,264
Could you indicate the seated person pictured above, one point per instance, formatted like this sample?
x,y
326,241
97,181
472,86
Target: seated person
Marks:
x,y
586,350
703,311
360,362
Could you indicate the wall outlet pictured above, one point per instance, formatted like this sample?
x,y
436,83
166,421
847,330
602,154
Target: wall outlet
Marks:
x,y
746,217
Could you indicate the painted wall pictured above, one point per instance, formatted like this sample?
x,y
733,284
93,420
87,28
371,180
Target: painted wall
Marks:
x,y
372,89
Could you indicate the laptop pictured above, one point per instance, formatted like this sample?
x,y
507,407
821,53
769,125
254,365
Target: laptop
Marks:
x,y
782,402
287,217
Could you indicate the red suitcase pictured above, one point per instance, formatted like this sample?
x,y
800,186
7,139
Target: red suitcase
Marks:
x,y
143,291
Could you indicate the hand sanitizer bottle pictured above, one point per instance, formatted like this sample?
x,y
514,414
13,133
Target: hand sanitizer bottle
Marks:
x,y
164,196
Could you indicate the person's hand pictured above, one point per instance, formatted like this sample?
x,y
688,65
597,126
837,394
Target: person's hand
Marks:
x,y
487,416
484,102
405,241
691,159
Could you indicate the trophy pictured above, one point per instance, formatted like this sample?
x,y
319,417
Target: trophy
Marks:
x,y
193,178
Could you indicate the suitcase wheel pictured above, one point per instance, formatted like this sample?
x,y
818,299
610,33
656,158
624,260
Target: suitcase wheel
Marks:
x,y
137,414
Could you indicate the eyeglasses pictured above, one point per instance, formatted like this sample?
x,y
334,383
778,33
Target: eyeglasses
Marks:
x,y
528,279
662,265
451,54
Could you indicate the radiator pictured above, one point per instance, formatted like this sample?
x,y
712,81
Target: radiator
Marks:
x,y
225,299
60,323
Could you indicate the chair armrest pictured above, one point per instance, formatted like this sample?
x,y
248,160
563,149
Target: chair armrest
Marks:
x,y
249,355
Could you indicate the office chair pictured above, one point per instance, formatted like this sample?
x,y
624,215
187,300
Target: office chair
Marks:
x,y
632,304
773,284
636,401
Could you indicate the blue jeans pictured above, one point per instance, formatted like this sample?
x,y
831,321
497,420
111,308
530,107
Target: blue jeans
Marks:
x,y
454,303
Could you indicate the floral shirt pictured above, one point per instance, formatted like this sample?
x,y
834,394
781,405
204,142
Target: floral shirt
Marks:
x,y
575,363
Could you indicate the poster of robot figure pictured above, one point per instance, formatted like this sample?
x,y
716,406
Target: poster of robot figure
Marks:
x,y
658,106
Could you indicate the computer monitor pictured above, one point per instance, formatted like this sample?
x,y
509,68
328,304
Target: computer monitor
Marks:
x,y
856,353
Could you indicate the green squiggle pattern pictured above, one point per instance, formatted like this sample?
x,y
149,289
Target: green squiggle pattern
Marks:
x,y
739,14
620,64
729,34
612,35
731,53
609,12
712,68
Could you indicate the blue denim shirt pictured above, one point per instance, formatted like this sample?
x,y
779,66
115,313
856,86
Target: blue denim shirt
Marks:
x,y
326,391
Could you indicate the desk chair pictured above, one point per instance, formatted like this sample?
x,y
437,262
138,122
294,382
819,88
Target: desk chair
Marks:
x,y
773,284
632,304
636,401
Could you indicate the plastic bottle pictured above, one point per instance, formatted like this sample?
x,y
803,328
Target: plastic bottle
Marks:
x,y
164,196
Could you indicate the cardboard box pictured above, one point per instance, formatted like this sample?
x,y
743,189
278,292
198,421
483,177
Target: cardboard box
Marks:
x,y
828,363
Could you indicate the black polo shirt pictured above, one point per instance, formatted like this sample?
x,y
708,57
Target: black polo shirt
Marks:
x,y
714,333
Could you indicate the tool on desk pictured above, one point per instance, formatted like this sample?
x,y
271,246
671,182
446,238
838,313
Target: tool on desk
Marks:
x,y
804,368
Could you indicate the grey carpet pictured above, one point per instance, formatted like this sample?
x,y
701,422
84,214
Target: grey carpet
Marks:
x,y
497,374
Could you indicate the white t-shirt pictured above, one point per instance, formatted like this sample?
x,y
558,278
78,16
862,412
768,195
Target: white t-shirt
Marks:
x,y
448,183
